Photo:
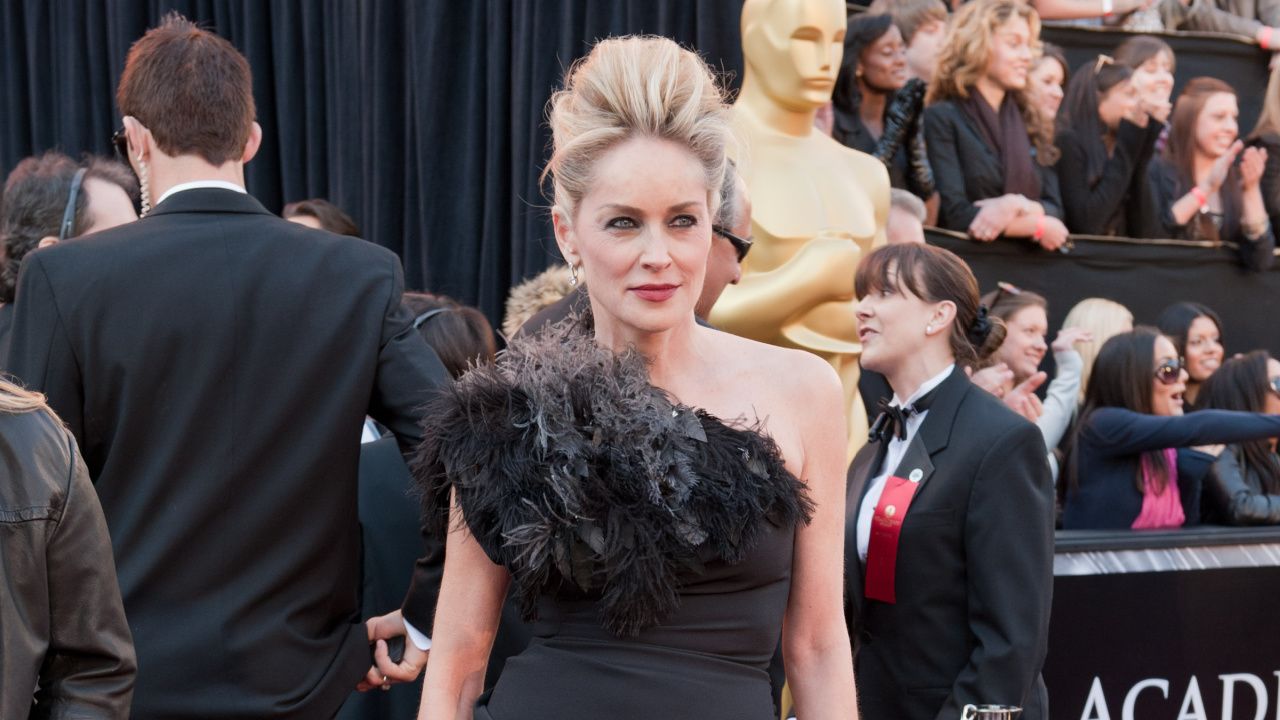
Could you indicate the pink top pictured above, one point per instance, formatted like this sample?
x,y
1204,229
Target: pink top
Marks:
x,y
1160,509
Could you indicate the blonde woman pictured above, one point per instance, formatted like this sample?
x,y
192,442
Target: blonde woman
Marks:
x,y
991,150
62,624
1103,319
662,528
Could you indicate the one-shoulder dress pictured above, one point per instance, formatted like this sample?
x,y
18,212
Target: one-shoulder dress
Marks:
x,y
650,543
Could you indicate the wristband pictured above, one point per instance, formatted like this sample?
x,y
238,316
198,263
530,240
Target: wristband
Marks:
x,y
1264,37
1201,199
1108,8
1038,235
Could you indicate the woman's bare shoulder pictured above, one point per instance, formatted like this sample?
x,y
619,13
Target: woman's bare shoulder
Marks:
x,y
796,373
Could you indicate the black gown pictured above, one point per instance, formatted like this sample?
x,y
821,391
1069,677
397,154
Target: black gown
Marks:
x,y
650,543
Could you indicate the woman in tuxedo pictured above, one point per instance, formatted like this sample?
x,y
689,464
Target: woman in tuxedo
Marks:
x,y
949,529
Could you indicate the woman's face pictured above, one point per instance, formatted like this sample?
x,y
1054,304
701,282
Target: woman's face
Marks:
x,y
641,235
1118,103
1271,403
1204,349
1011,53
1154,78
1045,85
892,326
1024,347
922,53
1216,126
1166,399
884,62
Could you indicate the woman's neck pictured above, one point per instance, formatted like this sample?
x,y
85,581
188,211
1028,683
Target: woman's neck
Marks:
x,y
670,353
1192,391
1109,139
871,109
907,377
991,92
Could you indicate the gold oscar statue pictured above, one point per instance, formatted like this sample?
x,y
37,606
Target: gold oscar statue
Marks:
x,y
818,205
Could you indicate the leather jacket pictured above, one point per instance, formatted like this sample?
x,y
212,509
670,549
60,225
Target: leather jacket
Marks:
x,y
65,648
1233,493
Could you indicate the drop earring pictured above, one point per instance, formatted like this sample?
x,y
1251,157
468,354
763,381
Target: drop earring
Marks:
x,y
144,186
573,275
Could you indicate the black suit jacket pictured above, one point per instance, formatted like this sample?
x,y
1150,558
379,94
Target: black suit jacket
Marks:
x,y
967,170
215,364
974,567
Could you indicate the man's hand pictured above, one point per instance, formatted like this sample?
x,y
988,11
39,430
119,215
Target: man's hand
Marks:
x,y
384,673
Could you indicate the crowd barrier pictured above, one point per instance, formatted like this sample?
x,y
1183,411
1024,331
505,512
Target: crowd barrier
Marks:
x,y
1143,275
1164,624
1238,61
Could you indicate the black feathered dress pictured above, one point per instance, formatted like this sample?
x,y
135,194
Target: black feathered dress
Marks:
x,y
650,543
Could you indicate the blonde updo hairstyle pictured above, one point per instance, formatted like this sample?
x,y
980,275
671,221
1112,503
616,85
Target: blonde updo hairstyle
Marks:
x,y
630,87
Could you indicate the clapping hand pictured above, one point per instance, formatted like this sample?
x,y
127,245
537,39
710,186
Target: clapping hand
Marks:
x,y
1022,399
1252,164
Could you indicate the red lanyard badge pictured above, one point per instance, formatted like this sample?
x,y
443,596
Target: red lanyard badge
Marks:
x,y
886,530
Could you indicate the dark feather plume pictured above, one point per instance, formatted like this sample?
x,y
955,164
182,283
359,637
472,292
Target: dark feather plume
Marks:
x,y
571,470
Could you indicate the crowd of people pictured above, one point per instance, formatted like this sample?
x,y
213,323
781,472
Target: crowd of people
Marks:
x,y
606,527
1000,139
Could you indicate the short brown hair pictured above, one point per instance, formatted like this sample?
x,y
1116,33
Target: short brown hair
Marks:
x,y
329,216
911,15
460,334
934,275
35,197
191,89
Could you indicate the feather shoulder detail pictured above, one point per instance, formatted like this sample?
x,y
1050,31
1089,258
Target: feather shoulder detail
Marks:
x,y
571,469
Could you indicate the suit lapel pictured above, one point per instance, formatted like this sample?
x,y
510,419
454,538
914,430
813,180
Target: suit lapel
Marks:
x,y
865,463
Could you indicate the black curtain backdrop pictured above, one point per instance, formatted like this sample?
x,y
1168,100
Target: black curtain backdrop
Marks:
x,y
421,118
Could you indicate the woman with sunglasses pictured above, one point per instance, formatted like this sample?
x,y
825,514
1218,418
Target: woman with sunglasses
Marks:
x,y
1136,461
1244,487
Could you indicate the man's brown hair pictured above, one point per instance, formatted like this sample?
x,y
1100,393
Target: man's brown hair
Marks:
x,y
911,15
191,89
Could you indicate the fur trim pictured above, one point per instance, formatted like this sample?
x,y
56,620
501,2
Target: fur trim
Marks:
x,y
534,294
572,470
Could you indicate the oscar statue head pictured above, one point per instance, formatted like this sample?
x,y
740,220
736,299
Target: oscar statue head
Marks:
x,y
792,50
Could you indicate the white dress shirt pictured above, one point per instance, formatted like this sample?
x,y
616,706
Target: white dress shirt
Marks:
x,y
197,184
893,456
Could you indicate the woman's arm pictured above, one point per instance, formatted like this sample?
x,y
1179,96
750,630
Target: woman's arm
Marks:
x,y
815,640
1060,401
1087,207
1257,242
1116,431
955,211
89,666
1008,551
467,613
1235,501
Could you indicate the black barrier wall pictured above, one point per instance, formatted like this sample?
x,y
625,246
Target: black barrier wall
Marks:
x,y
1145,277
1167,624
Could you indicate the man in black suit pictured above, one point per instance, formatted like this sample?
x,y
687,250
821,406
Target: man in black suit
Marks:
x,y
215,364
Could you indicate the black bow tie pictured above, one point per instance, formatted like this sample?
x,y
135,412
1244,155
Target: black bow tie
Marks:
x,y
892,420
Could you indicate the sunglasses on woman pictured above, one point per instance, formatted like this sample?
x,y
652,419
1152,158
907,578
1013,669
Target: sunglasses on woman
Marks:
x,y
1169,371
